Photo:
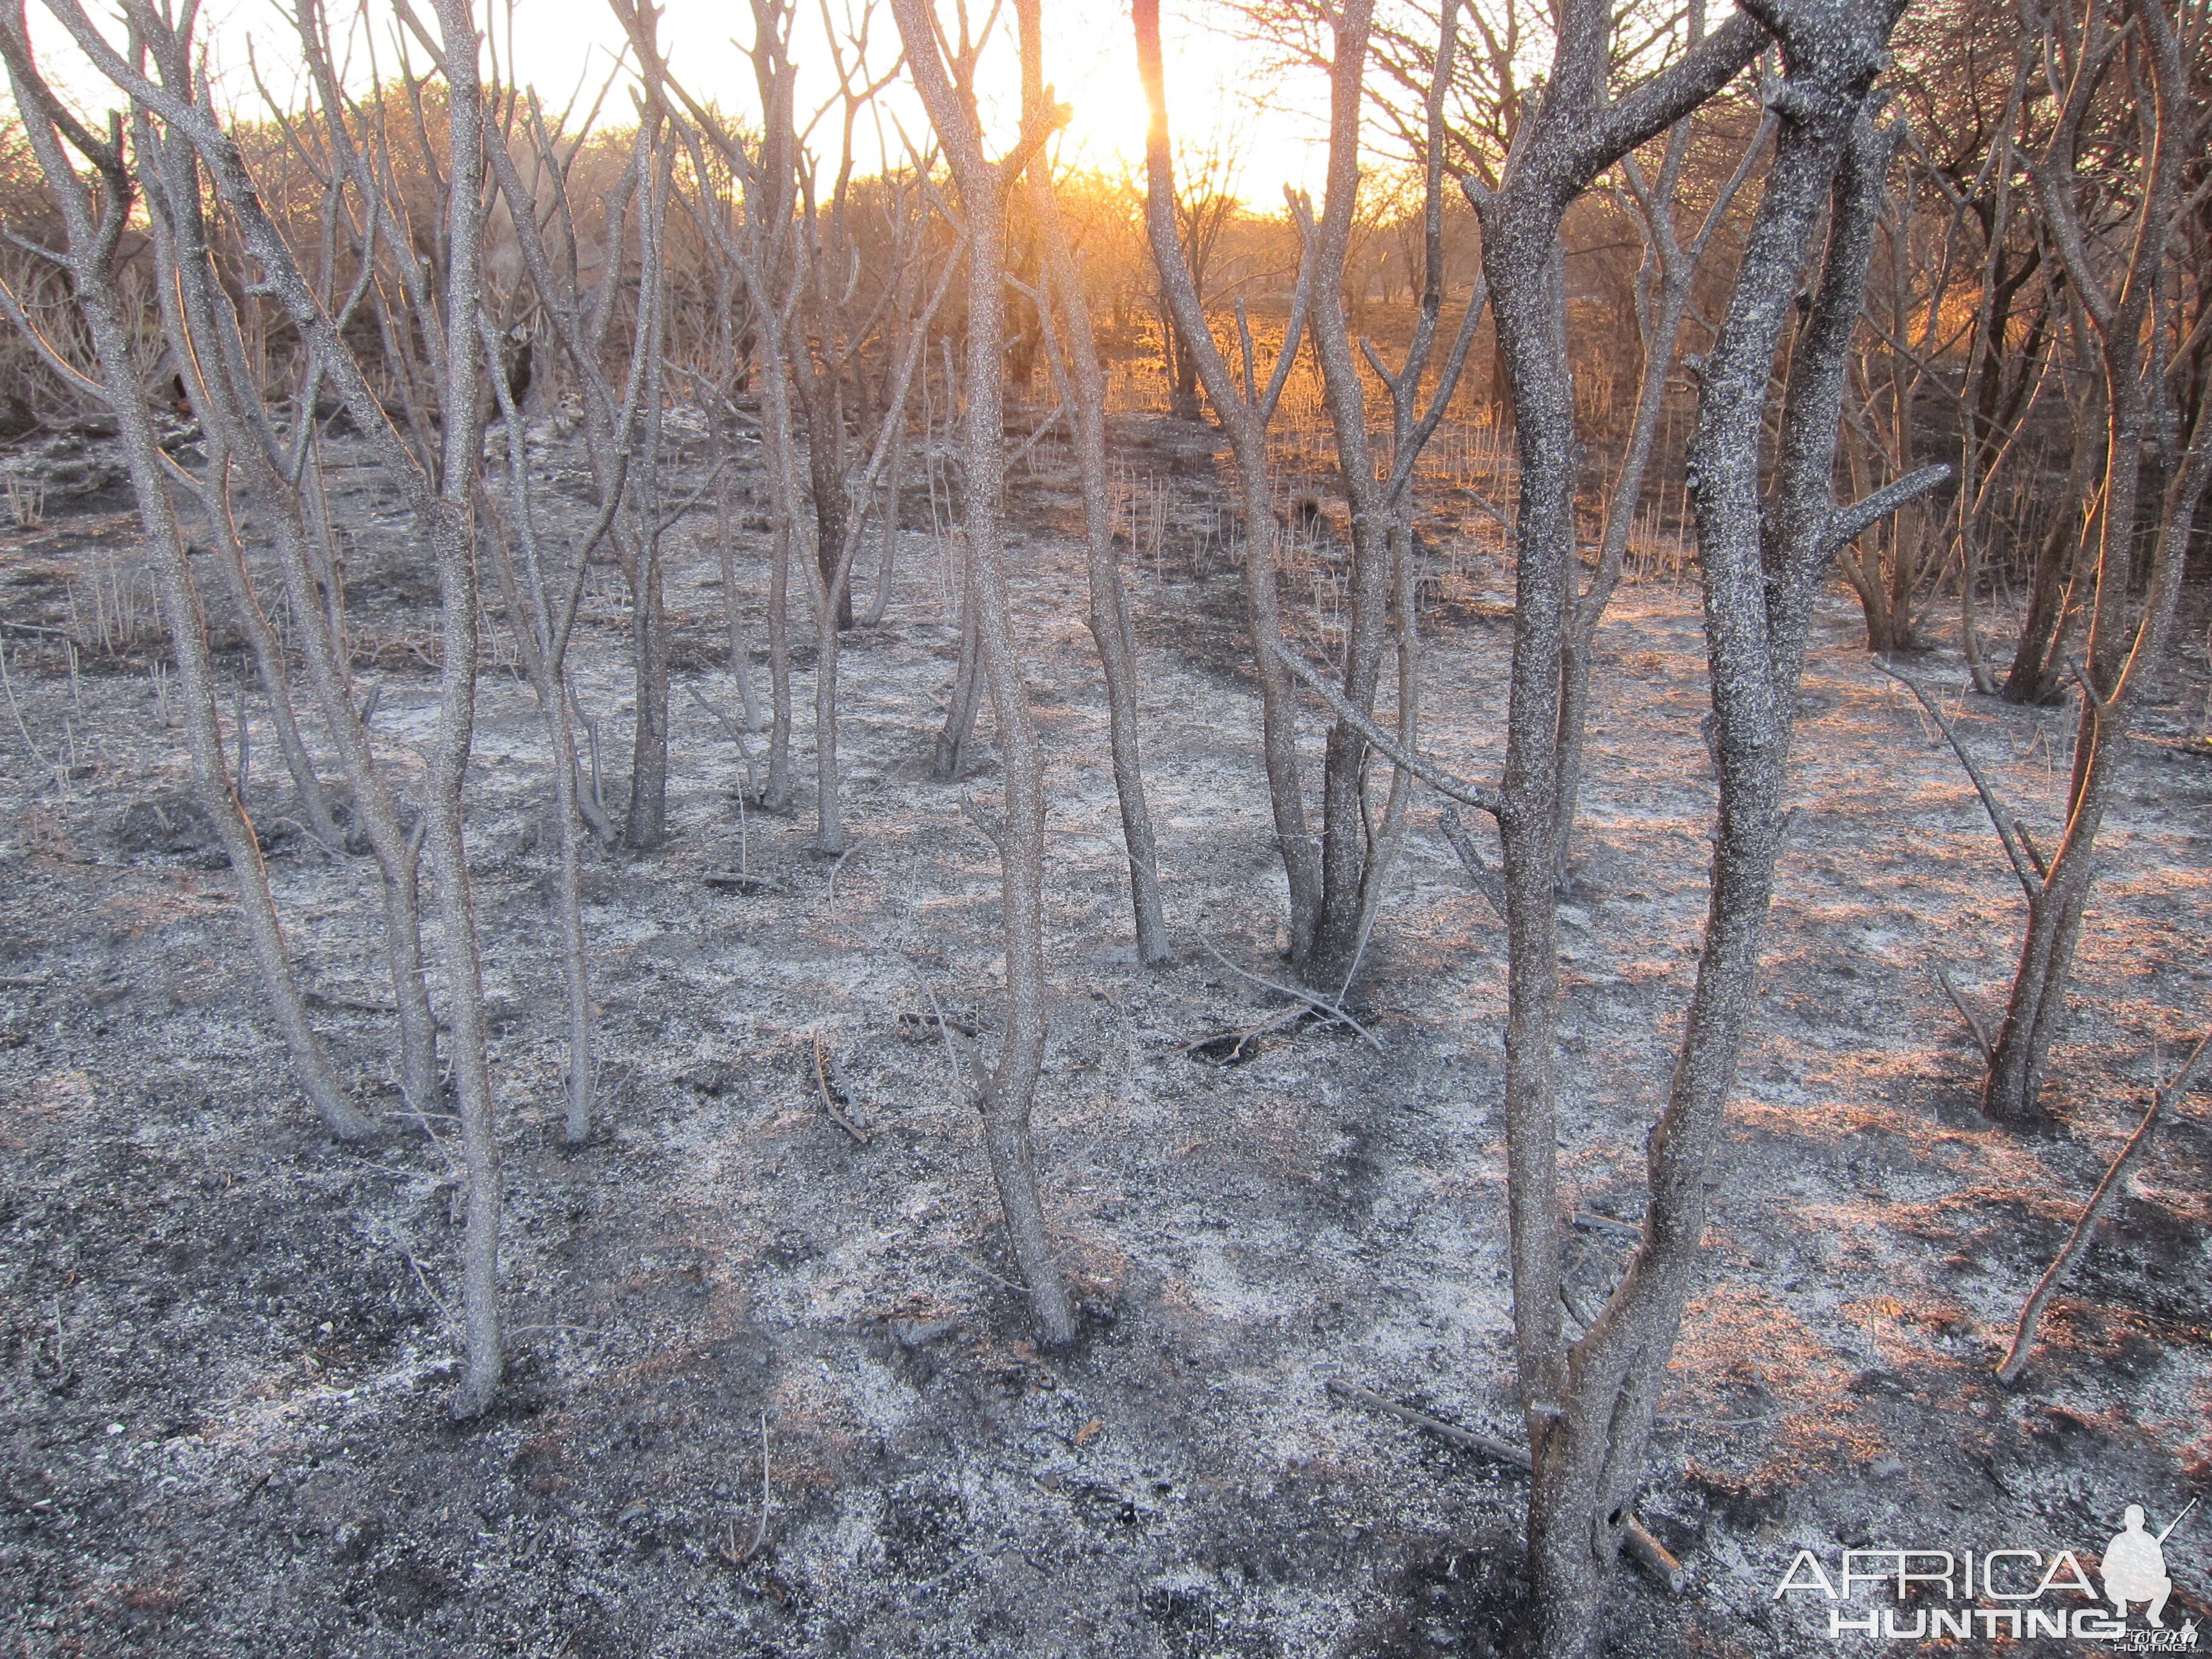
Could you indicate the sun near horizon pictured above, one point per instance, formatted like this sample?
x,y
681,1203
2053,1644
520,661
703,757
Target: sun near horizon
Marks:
x,y
1262,128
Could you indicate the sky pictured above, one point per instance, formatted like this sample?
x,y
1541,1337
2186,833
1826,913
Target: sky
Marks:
x,y
1221,90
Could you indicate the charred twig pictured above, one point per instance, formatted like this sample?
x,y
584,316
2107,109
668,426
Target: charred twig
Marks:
x,y
929,1022
1592,1222
737,736
1312,1000
731,1552
1647,1552
1239,1039
2002,822
828,1099
444,1310
1488,880
832,898
1472,1439
954,1053
2023,1340
741,881
593,804
1973,1021
1002,1283
1584,1314
990,825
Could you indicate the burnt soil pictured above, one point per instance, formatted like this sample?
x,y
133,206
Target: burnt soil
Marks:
x,y
223,1399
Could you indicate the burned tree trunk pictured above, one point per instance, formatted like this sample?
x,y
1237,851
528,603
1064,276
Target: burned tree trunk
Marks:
x,y
982,185
1245,409
1357,852
1346,845
542,626
1589,1405
645,824
441,506
2134,333
1575,135
94,229
1083,387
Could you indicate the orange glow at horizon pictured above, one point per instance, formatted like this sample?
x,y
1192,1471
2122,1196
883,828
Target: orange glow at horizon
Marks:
x,y
1268,128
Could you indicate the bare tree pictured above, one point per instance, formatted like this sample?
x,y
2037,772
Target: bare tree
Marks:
x,y
541,606
1356,854
644,822
1204,207
713,199
284,481
1664,286
1245,406
93,222
911,302
944,71
819,336
1588,1403
2124,288
1972,107
543,213
850,436
766,250
1083,389
836,319
442,508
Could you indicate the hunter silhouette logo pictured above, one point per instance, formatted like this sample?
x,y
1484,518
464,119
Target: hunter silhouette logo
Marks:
x,y
2135,1567
2003,1594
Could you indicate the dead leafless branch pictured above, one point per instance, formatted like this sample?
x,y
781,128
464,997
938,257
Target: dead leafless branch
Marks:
x,y
2162,1099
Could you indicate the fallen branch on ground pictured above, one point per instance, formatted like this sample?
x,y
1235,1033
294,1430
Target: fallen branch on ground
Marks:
x,y
1240,1039
730,1553
1648,1552
1592,1222
922,1027
2078,1241
1312,1000
738,881
829,1100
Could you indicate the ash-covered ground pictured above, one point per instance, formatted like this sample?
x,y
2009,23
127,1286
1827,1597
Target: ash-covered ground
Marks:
x,y
222,1423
